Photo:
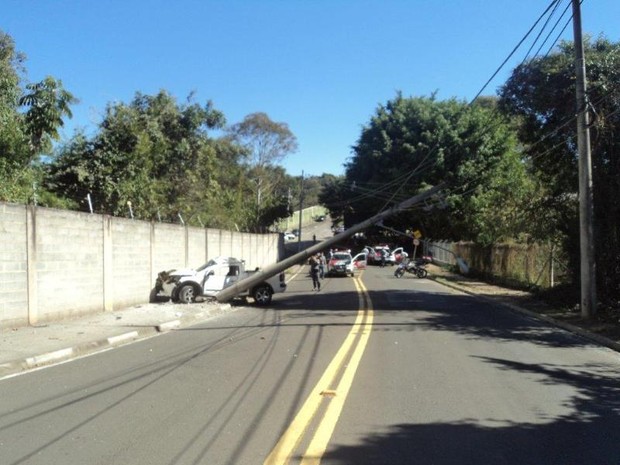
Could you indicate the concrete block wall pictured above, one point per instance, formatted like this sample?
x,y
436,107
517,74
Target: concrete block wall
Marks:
x,y
270,247
196,247
13,264
67,254
168,248
251,251
236,243
225,244
442,251
57,264
129,270
516,264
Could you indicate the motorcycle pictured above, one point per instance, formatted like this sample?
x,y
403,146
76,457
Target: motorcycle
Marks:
x,y
414,267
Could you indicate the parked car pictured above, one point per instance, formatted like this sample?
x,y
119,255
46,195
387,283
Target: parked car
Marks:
x,y
375,253
399,254
289,236
320,218
340,263
188,285
339,249
360,261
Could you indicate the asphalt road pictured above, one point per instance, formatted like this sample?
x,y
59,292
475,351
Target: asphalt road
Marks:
x,y
371,370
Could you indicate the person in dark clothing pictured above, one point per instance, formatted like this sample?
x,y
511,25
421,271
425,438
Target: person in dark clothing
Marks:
x,y
314,272
383,254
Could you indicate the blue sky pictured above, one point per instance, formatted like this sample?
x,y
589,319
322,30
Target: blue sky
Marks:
x,y
320,66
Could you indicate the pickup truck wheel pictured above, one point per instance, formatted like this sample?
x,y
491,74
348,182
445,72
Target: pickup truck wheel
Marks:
x,y
262,295
187,294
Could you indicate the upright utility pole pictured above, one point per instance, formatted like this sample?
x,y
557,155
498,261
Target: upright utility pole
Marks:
x,y
301,208
288,206
586,229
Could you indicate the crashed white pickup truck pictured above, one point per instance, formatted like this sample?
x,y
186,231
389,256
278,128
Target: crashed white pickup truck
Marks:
x,y
187,285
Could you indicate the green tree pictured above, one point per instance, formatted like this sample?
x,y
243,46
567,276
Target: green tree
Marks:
x,y
265,143
47,103
412,143
541,93
334,195
159,155
314,185
153,153
13,142
28,122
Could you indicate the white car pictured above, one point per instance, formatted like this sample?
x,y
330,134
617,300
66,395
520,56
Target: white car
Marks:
x,y
398,255
374,254
289,236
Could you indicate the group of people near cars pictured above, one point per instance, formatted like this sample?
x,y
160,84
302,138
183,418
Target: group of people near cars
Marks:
x,y
339,264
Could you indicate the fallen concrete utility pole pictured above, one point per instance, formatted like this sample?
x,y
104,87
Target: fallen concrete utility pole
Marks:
x,y
301,257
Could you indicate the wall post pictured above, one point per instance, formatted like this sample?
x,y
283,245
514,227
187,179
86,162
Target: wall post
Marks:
x,y
31,265
108,265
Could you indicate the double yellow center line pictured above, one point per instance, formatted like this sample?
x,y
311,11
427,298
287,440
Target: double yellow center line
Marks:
x,y
328,389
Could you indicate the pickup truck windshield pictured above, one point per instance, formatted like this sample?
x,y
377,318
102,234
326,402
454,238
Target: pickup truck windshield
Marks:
x,y
209,263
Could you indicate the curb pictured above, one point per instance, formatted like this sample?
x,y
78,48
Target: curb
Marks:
x,y
602,340
92,347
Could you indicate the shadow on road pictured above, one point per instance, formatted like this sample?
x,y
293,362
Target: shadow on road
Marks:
x,y
586,436
424,311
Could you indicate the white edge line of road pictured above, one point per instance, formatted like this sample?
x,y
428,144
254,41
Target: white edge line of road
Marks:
x,y
50,356
301,267
168,326
112,340
58,357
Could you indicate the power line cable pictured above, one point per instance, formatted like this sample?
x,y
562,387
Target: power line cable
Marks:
x,y
560,34
542,30
426,162
568,6
514,51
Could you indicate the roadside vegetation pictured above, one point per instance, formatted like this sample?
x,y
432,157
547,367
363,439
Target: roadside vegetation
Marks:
x,y
152,158
509,160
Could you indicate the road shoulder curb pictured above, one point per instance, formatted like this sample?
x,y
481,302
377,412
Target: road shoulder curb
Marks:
x,y
602,340
99,345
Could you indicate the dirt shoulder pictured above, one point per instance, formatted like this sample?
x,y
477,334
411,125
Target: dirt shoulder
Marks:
x,y
603,327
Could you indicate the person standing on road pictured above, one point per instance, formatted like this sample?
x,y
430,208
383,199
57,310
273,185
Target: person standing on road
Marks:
x,y
322,265
314,272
